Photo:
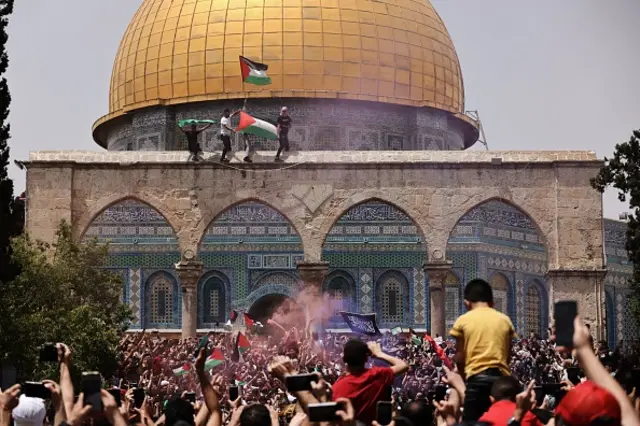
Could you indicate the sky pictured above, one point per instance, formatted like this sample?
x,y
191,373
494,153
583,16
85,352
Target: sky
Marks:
x,y
544,75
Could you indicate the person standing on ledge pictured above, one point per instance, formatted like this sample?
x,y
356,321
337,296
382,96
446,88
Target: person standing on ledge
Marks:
x,y
225,134
283,126
192,131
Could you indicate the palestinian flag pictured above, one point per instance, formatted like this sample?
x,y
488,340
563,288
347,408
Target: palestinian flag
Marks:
x,y
439,351
257,127
254,72
242,345
248,321
182,370
214,360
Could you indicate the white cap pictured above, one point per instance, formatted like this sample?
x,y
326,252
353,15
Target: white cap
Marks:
x,y
164,383
29,412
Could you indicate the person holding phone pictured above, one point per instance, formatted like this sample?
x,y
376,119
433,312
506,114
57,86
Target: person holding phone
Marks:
x,y
364,387
483,342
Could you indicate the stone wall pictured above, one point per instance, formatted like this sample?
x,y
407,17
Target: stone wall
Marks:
x,y
312,190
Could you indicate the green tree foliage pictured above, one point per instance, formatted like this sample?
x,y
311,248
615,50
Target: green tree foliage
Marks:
x,y
623,173
10,223
63,294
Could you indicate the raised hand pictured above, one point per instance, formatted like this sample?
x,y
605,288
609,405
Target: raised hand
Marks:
x,y
9,398
79,413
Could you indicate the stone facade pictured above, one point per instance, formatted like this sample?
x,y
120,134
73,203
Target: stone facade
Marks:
x,y
317,125
396,233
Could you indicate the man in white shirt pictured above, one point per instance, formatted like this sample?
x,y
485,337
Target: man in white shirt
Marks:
x,y
225,134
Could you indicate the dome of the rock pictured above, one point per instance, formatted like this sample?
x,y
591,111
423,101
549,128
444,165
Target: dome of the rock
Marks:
x,y
384,51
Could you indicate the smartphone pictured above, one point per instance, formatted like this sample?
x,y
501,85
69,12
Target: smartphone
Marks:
x,y
441,393
36,390
234,393
300,382
138,397
133,385
565,313
191,397
573,374
8,376
48,353
384,412
115,393
324,411
91,383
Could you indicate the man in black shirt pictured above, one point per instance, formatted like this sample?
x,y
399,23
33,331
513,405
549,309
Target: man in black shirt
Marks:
x,y
284,124
192,131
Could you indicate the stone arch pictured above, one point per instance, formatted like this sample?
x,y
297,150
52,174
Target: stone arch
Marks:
x,y
214,299
89,216
361,199
502,293
392,299
529,217
452,298
249,240
161,301
535,308
340,290
218,214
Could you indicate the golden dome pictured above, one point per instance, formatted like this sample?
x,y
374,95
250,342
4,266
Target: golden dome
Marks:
x,y
181,51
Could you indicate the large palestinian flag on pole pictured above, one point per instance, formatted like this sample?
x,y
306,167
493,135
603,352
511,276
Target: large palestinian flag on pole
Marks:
x,y
254,72
255,126
242,345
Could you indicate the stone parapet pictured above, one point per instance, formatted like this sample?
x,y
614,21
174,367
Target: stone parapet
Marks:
x,y
321,157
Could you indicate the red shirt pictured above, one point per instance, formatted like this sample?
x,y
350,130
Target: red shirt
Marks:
x,y
501,412
364,390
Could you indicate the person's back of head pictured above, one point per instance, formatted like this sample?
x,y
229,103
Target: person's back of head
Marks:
x,y
478,291
355,354
418,412
179,412
255,415
505,388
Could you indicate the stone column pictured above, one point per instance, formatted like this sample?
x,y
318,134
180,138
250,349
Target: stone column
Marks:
x,y
313,276
586,286
437,271
189,273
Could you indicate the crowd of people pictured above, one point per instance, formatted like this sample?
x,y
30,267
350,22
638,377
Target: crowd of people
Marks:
x,y
485,373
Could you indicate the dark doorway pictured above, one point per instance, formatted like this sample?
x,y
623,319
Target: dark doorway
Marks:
x,y
280,308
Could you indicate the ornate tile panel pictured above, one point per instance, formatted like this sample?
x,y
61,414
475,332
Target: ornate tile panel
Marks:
x,y
134,295
419,297
134,226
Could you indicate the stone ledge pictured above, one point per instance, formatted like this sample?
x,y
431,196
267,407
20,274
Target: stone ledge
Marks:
x,y
319,157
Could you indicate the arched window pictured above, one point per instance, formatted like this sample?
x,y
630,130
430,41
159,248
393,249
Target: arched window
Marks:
x,y
391,298
500,287
451,299
339,294
161,300
214,301
533,309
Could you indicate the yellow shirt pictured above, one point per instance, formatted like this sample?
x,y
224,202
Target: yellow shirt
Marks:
x,y
487,336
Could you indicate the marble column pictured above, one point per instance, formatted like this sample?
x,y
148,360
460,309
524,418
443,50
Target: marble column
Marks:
x,y
437,271
586,286
313,276
189,273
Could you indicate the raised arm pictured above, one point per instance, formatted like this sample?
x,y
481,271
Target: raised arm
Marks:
x,y
66,385
398,366
596,372
209,394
